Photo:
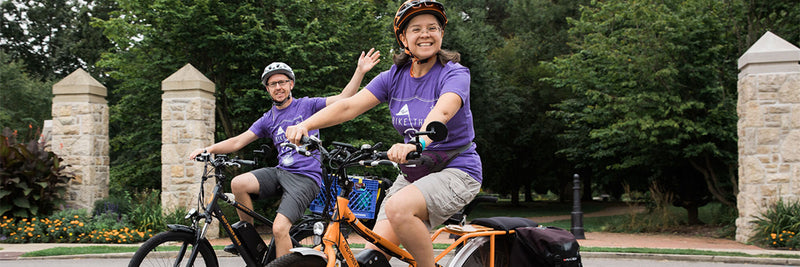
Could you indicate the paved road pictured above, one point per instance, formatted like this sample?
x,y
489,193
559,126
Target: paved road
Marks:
x,y
232,261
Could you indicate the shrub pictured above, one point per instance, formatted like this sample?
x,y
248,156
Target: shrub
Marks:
x,y
71,226
119,203
778,226
32,180
142,210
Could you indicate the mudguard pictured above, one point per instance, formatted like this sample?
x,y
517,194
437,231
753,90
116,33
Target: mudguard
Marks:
x,y
187,229
309,251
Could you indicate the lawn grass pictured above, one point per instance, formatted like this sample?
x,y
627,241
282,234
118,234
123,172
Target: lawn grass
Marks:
x,y
58,251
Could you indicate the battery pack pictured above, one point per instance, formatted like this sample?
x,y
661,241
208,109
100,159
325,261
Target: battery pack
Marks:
x,y
251,240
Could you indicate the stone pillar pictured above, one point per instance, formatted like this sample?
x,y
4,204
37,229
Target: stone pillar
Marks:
x,y
187,123
768,129
80,136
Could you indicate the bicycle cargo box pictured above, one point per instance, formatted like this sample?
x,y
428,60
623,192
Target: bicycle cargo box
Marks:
x,y
545,246
251,241
363,198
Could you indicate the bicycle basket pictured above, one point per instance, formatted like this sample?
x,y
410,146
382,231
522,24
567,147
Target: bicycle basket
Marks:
x,y
363,198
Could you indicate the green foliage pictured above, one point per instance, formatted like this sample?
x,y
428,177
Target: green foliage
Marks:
x,y
118,203
779,226
533,31
32,180
24,99
52,37
148,212
229,42
141,211
653,88
70,226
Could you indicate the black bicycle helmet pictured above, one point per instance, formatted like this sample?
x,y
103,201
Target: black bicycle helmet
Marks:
x,y
410,9
275,68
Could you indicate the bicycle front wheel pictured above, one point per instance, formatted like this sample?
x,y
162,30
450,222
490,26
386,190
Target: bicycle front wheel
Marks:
x,y
475,253
298,260
173,249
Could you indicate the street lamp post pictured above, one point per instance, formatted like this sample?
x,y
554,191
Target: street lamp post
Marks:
x,y
577,214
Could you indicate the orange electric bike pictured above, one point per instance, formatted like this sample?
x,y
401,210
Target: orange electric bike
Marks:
x,y
476,245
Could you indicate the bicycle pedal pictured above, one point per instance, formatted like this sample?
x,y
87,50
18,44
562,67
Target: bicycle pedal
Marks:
x,y
231,249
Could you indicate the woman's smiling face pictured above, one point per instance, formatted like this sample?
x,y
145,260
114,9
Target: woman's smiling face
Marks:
x,y
423,36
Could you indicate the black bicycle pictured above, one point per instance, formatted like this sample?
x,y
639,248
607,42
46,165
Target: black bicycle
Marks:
x,y
186,245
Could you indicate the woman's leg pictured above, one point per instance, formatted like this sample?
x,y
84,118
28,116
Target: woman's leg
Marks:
x,y
406,212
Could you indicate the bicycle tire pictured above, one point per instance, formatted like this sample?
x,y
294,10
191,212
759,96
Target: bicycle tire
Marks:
x,y
298,260
159,251
475,253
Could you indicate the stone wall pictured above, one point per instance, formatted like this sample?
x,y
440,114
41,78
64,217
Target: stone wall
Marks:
x,y
768,129
187,123
79,135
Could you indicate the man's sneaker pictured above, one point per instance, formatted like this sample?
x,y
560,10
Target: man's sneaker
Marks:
x,y
231,249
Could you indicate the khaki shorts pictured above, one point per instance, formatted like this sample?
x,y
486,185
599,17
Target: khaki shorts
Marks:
x,y
445,192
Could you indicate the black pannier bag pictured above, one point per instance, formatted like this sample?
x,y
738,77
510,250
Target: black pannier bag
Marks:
x,y
545,246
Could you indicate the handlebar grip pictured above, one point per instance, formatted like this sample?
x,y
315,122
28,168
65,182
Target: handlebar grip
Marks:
x,y
411,155
246,162
374,163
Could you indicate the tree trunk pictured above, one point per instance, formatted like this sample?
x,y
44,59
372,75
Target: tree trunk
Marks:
x,y
693,217
515,197
528,192
586,184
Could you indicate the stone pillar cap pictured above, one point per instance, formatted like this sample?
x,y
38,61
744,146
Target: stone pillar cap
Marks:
x,y
187,78
771,49
81,85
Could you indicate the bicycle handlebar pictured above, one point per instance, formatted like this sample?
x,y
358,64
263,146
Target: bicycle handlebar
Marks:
x,y
223,160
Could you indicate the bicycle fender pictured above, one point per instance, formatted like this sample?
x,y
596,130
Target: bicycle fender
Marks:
x,y
180,228
309,252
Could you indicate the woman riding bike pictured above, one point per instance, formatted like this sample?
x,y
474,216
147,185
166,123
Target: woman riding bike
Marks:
x,y
425,84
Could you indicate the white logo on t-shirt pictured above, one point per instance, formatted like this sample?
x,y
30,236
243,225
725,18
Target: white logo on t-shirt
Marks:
x,y
280,131
403,111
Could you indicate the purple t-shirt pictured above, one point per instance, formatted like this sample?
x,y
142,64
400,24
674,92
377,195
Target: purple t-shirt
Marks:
x,y
410,100
273,125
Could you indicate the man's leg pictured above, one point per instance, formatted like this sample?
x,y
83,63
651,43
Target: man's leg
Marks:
x,y
280,231
242,186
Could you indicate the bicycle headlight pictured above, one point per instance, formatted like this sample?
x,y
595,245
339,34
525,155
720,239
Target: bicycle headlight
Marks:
x,y
319,228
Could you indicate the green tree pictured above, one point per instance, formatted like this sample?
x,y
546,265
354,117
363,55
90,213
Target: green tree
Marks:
x,y
520,157
654,86
52,37
230,42
24,100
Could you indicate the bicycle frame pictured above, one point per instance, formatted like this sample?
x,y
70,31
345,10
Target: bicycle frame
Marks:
x,y
213,210
334,240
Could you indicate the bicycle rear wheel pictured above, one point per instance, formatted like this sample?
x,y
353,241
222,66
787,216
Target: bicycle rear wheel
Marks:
x,y
173,249
475,253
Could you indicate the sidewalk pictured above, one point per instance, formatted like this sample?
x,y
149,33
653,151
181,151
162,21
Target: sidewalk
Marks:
x,y
593,239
